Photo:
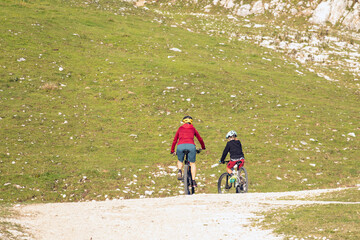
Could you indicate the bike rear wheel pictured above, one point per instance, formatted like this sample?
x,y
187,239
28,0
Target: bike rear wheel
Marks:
x,y
188,187
244,182
223,184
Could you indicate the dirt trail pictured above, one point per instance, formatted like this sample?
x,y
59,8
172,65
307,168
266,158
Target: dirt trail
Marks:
x,y
203,216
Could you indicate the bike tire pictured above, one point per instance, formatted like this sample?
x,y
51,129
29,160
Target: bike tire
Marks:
x,y
244,180
223,184
191,186
187,183
192,189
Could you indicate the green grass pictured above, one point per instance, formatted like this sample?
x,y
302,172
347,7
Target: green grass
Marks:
x,y
334,221
346,195
341,195
329,221
58,127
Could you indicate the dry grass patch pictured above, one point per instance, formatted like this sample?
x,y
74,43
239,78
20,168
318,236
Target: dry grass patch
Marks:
x,y
49,86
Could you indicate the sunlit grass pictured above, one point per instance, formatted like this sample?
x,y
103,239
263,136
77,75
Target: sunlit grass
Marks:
x,y
332,221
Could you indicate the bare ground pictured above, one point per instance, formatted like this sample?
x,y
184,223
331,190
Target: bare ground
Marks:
x,y
203,216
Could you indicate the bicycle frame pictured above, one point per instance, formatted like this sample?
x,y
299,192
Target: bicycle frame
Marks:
x,y
187,177
188,185
241,182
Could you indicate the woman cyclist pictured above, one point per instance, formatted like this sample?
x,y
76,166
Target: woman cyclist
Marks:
x,y
184,138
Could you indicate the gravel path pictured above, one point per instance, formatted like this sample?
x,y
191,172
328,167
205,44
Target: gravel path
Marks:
x,y
203,216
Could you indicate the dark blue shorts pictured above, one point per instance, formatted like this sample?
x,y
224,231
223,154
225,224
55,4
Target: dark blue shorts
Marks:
x,y
186,146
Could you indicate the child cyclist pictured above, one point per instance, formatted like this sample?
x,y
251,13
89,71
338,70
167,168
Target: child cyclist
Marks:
x,y
185,135
236,153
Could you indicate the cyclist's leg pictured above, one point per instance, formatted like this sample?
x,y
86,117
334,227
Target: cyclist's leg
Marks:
x,y
228,170
179,152
179,165
229,166
193,170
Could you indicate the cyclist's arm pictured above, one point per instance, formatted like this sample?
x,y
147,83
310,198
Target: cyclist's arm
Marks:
x,y
175,141
201,141
225,152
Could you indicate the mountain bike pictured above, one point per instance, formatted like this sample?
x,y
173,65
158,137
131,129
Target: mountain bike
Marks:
x,y
187,177
241,182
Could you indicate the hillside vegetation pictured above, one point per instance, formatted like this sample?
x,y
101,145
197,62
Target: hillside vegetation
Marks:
x,y
92,93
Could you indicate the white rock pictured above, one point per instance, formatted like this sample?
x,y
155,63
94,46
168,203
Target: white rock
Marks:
x,y
293,11
258,8
149,192
214,165
295,46
259,25
352,20
352,134
173,168
321,13
228,3
338,8
244,10
283,45
175,49
320,58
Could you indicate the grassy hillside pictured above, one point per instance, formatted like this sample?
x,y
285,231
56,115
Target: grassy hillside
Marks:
x,y
92,93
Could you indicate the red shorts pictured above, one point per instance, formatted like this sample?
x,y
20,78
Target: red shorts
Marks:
x,y
232,163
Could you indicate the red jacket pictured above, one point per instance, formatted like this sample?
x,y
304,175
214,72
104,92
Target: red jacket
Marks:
x,y
185,134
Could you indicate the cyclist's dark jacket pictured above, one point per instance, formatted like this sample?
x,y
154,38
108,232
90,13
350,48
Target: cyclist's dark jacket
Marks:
x,y
235,149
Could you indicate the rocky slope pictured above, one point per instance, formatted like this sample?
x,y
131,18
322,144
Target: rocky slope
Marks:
x,y
327,44
345,12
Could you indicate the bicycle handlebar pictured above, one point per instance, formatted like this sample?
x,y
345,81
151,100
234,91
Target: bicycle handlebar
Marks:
x,y
224,161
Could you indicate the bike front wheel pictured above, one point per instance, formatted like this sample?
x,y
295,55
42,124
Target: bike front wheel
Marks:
x,y
188,187
223,184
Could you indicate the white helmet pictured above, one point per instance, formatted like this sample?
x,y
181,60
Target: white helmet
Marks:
x,y
232,133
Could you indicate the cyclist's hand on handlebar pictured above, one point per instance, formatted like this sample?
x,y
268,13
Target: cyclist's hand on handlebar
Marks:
x,y
199,150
